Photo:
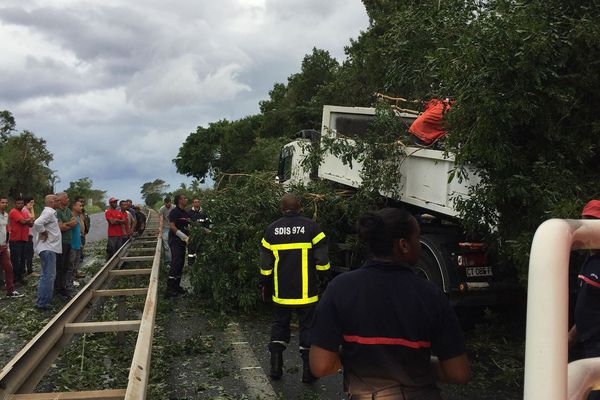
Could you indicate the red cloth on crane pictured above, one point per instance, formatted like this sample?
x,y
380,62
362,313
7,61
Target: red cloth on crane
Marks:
x,y
428,126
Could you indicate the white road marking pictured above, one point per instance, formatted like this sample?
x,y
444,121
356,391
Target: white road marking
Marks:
x,y
255,379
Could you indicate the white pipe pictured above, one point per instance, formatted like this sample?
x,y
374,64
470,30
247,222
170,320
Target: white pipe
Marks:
x,y
546,345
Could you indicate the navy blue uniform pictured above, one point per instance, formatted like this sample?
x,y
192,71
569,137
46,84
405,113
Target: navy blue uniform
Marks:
x,y
587,308
200,217
181,219
587,311
388,322
293,250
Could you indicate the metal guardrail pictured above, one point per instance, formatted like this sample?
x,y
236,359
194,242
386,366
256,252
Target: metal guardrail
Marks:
x,y
22,374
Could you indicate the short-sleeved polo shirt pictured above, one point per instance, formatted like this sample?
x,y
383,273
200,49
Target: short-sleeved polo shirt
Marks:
x,y
388,322
116,230
181,219
64,215
18,231
164,211
587,307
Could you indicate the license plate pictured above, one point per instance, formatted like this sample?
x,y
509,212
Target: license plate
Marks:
x,y
479,271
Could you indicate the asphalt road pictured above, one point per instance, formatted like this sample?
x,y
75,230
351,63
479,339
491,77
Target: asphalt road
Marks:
x,y
98,228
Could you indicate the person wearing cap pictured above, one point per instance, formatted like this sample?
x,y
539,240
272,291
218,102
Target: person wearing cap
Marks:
x,y
117,220
586,330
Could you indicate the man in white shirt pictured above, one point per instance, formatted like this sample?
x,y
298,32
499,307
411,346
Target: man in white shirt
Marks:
x,y
163,229
47,243
4,253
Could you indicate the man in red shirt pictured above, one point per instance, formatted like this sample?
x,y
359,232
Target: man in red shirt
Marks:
x,y
19,236
5,264
117,227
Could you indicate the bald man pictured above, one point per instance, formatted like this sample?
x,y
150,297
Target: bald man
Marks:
x,y
47,243
293,252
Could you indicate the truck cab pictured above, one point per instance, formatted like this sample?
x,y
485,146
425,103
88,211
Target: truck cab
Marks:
x,y
461,268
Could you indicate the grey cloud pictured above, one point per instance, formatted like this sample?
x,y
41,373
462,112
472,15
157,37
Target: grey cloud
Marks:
x,y
128,81
307,10
45,75
91,35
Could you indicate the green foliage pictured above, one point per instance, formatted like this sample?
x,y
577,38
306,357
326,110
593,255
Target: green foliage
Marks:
x,y
298,105
7,125
24,166
94,209
226,268
154,191
524,77
242,205
83,187
496,349
526,115
222,146
253,143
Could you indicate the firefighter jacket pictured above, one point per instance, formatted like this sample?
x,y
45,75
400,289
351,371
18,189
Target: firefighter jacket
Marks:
x,y
293,250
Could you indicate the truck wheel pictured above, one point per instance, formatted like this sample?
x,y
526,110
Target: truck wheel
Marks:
x,y
428,268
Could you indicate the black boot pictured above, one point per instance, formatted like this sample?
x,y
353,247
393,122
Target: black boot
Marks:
x,y
276,350
307,376
178,287
171,288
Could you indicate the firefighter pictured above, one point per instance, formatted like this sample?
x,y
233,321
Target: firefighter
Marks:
x,y
586,331
179,222
388,321
293,254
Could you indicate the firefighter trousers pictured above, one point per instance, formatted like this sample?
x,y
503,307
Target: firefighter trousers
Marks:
x,y
280,329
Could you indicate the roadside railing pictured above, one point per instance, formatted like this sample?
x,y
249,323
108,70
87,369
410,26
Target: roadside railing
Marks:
x,y
19,378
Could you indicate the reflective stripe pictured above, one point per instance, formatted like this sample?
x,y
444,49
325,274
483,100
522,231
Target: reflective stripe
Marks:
x,y
387,341
309,300
589,281
276,276
323,267
303,247
304,273
291,246
318,238
266,272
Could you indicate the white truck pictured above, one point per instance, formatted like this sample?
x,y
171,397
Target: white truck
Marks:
x,y
461,268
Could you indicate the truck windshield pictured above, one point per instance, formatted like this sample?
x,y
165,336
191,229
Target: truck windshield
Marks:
x,y
285,164
350,125
356,125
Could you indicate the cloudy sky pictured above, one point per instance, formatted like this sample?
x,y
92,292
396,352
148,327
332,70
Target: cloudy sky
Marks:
x,y
115,86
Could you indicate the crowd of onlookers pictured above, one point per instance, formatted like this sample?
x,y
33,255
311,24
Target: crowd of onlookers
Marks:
x,y
57,236
124,221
